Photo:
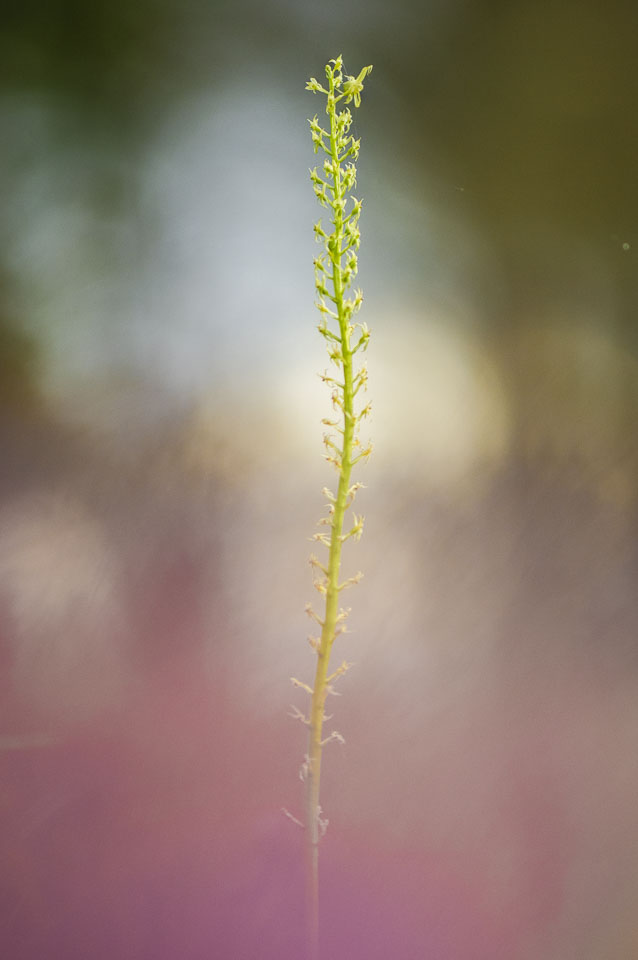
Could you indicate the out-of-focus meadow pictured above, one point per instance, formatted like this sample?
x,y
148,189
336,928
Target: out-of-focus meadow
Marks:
x,y
160,474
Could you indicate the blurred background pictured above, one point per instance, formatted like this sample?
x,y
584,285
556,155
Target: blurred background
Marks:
x,y
161,468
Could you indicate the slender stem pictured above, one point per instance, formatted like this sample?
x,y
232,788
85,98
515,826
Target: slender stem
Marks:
x,y
335,267
328,631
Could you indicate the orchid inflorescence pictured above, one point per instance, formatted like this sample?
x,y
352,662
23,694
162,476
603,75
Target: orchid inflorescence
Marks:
x,y
335,269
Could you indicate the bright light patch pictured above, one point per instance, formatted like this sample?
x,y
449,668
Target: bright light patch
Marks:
x,y
439,407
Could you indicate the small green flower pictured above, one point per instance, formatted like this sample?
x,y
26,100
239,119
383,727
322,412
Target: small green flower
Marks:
x,y
314,86
352,86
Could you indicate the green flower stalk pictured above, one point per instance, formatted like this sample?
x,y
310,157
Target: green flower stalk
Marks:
x,y
335,270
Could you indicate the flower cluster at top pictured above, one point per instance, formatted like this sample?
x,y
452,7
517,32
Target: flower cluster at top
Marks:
x,y
351,87
335,268
337,265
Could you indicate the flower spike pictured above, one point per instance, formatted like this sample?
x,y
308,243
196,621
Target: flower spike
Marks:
x,y
335,270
